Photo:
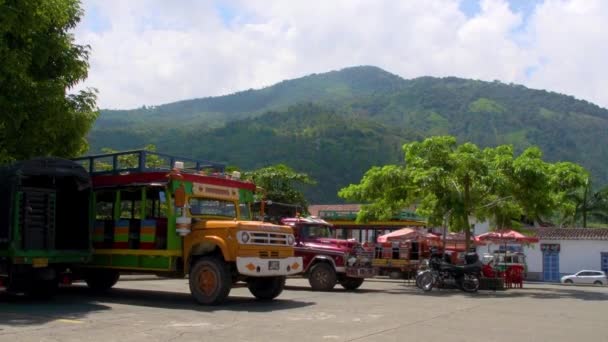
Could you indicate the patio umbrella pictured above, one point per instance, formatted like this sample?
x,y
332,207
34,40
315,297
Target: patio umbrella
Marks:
x,y
505,236
404,234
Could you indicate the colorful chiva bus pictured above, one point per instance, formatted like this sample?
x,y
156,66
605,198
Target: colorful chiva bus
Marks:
x,y
44,223
191,219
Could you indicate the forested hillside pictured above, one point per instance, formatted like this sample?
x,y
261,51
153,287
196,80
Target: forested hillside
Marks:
x,y
334,126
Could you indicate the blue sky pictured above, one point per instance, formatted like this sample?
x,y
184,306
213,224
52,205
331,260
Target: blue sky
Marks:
x,y
151,52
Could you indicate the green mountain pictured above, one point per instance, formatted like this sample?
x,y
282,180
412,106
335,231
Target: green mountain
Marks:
x,y
336,125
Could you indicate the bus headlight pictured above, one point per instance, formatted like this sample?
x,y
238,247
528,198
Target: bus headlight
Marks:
x,y
244,237
290,239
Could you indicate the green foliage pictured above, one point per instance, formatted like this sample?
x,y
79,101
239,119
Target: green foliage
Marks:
x,y
281,184
359,118
39,63
451,182
590,205
484,105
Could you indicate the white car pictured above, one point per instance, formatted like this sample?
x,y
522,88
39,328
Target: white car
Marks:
x,y
586,277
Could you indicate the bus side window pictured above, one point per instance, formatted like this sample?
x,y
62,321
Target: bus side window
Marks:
x,y
126,209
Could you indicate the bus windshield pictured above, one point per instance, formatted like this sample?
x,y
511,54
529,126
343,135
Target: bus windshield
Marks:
x,y
211,207
316,231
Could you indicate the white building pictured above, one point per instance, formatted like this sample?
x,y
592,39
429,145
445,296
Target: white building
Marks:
x,y
562,251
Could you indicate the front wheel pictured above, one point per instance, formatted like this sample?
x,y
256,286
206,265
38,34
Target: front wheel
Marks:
x,y
210,281
469,283
322,277
350,283
568,281
266,288
425,281
101,279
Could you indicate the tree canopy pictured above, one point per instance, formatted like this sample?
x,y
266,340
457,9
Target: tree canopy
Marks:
x,y
40,63
281,184
449,183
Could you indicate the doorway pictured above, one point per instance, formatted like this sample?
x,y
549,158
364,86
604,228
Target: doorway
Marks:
x,y
551,266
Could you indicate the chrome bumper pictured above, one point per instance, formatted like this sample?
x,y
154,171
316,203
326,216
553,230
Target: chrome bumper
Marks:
x,y
258,267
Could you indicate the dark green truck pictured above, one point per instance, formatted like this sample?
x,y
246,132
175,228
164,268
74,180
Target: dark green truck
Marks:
x,y
45,224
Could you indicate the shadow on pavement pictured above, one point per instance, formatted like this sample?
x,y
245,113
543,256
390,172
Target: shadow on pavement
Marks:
x,y
337,289
76,302
18,311
184,301
530,291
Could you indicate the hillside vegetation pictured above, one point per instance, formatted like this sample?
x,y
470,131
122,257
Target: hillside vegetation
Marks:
x,y
335,125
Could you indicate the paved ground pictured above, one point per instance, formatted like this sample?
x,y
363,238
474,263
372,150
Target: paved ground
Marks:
x,y
162,310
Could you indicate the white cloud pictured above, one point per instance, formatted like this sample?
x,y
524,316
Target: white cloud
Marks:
x,y
153,52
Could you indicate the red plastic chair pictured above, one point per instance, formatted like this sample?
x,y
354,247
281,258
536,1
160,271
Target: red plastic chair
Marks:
x,y
514,276
487,271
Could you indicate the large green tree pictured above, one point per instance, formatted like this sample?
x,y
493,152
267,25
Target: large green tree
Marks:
x,y
281,184
39,64
451,183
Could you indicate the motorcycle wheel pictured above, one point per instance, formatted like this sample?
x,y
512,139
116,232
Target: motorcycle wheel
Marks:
x,y
469,283
418,276
425,281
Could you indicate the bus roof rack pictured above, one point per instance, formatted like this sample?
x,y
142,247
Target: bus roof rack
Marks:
x,y
144,161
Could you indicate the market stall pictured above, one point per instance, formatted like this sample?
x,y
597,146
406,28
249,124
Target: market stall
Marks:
x,y
399,253
503,263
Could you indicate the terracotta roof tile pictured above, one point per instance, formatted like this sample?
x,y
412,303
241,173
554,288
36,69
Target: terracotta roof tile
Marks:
x,y
547,233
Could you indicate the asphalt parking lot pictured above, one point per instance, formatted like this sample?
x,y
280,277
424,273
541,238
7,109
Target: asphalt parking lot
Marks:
x,y
382,310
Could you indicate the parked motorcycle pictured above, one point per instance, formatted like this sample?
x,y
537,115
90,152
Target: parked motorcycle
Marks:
x,y
442,273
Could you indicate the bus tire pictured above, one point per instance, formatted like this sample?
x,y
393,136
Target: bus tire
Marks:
x,y
101,280
210,280
266,288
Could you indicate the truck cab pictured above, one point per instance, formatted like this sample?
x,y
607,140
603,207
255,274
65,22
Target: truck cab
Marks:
x,y
329,260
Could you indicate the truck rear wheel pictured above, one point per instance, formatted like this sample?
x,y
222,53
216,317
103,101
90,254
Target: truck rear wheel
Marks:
x,y
210,281
266,288
349,283
322,277
101,279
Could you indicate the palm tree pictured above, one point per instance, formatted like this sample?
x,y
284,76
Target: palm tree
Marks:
x,y
592,205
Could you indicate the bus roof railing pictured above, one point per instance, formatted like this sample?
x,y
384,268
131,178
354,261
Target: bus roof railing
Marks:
x,y
144,161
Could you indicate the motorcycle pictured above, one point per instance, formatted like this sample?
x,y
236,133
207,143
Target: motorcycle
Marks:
x,y
441,273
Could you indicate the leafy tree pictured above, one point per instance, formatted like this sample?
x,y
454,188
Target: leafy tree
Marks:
x,y
566,179
281,184
40,62
450,183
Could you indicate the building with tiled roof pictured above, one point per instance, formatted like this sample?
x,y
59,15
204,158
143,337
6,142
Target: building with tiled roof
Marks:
x,y
548,233
562,251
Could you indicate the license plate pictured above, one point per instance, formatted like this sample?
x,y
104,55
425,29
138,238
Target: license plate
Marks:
x,y
274,265
40,262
